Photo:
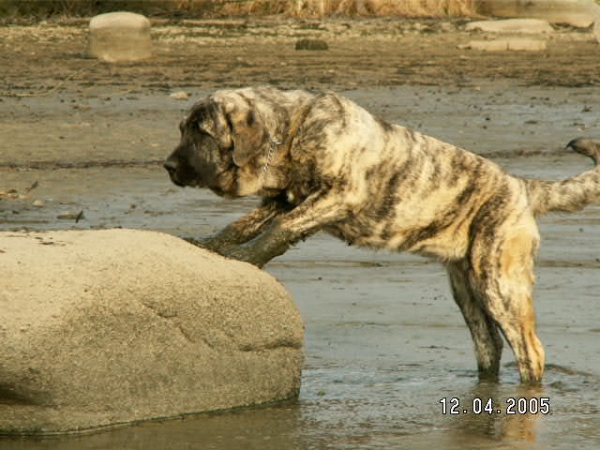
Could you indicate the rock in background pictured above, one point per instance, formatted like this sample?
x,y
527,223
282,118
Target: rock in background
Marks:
x,y
120,36
577,13
519,26
115,326
512,32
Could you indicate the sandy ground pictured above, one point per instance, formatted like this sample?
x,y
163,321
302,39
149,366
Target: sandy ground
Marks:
x,y
385,342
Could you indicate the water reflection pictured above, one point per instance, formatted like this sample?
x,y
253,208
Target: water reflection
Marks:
x,y
264,428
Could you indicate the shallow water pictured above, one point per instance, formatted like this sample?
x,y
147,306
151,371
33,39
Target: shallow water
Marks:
x,y
384,340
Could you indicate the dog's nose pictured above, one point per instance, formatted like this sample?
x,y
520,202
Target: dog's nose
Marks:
x,y
170,165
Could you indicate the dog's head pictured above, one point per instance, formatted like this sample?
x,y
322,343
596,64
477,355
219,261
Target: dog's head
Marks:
x,y
224,141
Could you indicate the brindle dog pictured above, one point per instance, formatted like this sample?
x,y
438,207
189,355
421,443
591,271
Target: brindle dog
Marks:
x,y
321,162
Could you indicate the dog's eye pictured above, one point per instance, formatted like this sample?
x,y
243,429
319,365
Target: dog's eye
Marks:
x,y
203,132
250,119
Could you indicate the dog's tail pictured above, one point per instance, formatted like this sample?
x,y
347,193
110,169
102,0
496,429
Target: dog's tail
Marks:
x,y
573,193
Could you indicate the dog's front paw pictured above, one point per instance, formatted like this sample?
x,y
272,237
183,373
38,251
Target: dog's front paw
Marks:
x,y
247,255
208,243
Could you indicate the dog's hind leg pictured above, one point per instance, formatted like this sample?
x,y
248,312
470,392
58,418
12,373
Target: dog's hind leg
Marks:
x,y
485,334
502,275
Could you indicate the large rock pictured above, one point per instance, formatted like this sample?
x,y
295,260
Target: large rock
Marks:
x,y
116,326
578,13
120,36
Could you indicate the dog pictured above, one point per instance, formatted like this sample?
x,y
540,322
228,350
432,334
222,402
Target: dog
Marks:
x,y
322,162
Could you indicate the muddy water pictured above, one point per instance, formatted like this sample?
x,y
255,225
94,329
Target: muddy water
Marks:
x,y
385,343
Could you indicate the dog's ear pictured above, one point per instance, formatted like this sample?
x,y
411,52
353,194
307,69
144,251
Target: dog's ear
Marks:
x,y
205,116
248,134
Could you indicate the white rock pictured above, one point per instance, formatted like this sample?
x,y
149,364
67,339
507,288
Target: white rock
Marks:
x,y
577,13
597,29
120,36
522,26
180,95
115,326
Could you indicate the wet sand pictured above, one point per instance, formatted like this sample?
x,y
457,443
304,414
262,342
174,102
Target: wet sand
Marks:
x,y
384,340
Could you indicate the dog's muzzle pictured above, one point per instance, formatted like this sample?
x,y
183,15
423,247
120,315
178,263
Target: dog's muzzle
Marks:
x,y
172,168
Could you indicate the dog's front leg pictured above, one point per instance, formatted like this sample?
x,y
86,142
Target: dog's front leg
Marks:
x,y
242,230
317,211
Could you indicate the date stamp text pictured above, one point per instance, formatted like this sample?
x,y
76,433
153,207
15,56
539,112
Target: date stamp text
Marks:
x,y
510,406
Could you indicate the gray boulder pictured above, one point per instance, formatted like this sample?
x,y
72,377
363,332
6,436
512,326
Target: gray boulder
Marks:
x,y
577,13
116,326
120,36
